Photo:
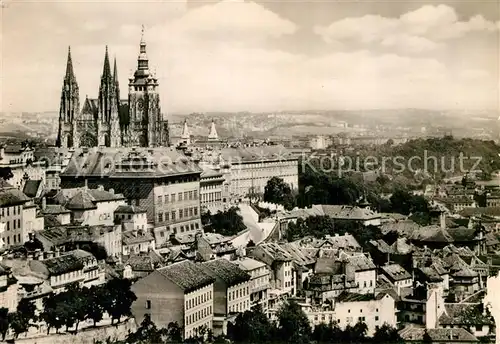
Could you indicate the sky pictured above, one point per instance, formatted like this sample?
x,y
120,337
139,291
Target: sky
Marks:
x,y
237,55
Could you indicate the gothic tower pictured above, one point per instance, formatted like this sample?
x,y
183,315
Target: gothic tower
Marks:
x,y
108,122
145,127
70,105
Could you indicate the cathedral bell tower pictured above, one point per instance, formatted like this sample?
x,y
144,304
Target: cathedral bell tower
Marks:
x,y
70,105
145,127
108,119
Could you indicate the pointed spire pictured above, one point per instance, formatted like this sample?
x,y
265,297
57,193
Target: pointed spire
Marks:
x,y
185,131
115,72
213,132
70,75
142,61
106,70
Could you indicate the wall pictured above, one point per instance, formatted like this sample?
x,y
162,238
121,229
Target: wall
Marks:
x,y
369,277
167,300
85,336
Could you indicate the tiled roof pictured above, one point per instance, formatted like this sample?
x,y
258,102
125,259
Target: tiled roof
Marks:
x,y
464,313
489,211
31,187
249,264
395,272
83,200
12,197
451,335
402,227
130,209
51,221
229,272
276,252
71,261
186,275
353,297
349,212
135,237
146,261
55,209
237,155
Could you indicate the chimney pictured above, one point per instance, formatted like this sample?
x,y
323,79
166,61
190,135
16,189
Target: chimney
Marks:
x,y
44,203
86,186
57,252
112,191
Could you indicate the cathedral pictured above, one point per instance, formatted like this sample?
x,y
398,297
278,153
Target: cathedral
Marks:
x,y
110,121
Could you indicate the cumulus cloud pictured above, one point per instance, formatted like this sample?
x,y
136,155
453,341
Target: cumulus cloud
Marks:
x,y
421,30
223,57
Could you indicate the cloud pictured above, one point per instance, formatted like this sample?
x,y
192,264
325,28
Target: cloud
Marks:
x,y
421,30
224,57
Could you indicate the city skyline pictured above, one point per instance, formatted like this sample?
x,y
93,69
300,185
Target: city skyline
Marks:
x,y
250,56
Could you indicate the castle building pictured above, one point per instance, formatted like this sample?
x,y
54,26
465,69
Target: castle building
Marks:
x,y
109,121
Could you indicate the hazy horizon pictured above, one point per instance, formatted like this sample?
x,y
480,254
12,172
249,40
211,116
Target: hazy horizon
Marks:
x,y
236,56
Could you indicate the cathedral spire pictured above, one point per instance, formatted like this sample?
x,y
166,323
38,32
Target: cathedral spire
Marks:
x,y
142,60
115,73
70,74
106,70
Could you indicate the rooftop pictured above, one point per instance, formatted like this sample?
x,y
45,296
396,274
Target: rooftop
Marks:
x,y
227,271
186,275
129,163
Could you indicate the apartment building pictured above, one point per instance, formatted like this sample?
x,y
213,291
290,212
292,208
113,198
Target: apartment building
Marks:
x,y
18,213
181,292
71,267
211,189
231,291
372,309
259,281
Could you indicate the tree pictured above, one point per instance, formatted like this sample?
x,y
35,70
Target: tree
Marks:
x,y
174,332
118,298
226,223
251,327
6,173
278,192
387,334
77,299
18,323
4,322
93,306
52,314
28,310
147,332
294,325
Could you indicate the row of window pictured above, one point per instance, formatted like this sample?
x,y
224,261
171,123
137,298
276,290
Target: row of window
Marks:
x,y
361,310
14,239
239,307
236,294
16,210
15,224
69,275
198,300
183,213
212,196
187,195
201,314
